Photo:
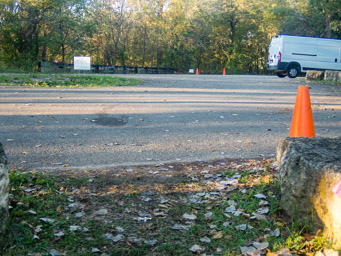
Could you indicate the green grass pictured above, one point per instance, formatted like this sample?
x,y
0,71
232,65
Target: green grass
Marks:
x,y
50,197
321,82
62,80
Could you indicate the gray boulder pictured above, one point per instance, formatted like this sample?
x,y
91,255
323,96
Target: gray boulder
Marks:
x,y
313,75
309,169
4,188
332,75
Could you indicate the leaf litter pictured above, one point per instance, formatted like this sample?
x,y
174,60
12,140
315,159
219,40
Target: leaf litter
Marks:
x,y
166,207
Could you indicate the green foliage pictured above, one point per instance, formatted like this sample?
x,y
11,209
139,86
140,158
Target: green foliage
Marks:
x,y
300,243
209,35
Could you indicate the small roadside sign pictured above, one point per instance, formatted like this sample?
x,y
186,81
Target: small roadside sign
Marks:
x,y
81,63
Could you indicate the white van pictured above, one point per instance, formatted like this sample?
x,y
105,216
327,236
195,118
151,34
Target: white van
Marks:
x,y
292,55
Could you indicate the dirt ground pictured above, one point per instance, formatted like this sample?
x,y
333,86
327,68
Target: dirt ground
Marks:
x,y
154,178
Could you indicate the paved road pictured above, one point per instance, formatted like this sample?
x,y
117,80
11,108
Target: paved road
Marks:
x,y
169,118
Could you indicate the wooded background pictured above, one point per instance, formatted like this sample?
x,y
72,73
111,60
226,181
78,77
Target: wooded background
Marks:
x,y
183,34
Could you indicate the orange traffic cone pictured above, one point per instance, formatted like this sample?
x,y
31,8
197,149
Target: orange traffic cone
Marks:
x,y
224,72
197,72
302,120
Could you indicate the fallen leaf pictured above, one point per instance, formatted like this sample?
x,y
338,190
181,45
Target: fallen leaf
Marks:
x,y
29,190
264,210
95,250
260,196
318,233
47,220
180,227
53,252
119,229
42,192
275,233
261,246
80,214
226,224
150,242
247,250
75,228
205,239
308,237
159,214
115,239
144,219
176,227
59,209
283,252
134,240
263,203
143,214
258,216
237,213
101,212
230,209
241,227
266,179
280,224
246,215
59,234
218,235
32,212
208,215
38,229
197,248
163,206
187,216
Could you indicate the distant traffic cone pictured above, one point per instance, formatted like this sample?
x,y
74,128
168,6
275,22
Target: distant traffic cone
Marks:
x,y
302,124
197,72
224,72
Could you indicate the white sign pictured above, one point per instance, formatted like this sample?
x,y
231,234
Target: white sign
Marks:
x,y
81,63
191,70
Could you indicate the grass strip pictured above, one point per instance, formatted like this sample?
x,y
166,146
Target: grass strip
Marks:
x,y
63,80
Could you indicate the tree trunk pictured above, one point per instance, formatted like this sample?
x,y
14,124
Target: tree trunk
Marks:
x,y
144,45
36,57
159,56
63,53
328,29
44,50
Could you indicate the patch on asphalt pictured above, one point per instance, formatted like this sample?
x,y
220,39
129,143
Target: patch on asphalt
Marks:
x,y
107,120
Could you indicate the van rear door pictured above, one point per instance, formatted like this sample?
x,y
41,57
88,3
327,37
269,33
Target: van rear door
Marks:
x,y
274,54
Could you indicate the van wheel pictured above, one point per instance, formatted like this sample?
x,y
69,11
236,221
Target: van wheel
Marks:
x,y
281,74
293,71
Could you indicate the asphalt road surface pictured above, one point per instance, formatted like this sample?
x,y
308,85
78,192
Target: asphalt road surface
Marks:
x,y
169,118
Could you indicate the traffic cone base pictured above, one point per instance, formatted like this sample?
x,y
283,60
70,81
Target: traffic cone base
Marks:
x,y
302,124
